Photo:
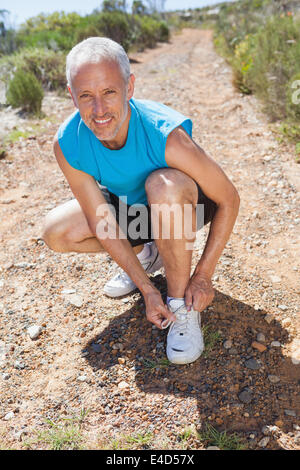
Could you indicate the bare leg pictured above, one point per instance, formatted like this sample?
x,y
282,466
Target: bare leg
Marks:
x,y
169,186
66,230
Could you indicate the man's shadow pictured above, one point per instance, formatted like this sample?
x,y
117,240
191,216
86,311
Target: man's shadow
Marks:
x,y
237,387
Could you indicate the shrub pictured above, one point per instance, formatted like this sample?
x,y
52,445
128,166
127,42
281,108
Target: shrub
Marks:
x,y
48,66
115,25
25,91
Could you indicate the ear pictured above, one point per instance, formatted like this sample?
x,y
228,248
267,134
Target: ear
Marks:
x,y
74,101
130,88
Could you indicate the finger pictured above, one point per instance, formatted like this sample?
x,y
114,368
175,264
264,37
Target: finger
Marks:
x,y
188,300
168,314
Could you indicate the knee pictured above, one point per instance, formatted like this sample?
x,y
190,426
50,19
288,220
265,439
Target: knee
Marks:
x,y
55,235
171,186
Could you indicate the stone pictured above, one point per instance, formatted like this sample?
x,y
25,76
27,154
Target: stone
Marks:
x,y
261,338
273,379
96,347
275,344
260,347
290,413
212,448
245,396
34,331
75,300
227,344
81,378
252,364
264,442
9,416
123,385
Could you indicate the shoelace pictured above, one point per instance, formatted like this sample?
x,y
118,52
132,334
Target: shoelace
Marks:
x,y
180,325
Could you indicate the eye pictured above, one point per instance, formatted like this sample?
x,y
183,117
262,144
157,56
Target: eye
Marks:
x,y
109,92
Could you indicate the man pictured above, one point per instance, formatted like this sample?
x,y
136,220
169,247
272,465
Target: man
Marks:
x,y
138,154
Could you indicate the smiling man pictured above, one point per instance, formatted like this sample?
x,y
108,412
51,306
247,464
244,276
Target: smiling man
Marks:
x,y
123,156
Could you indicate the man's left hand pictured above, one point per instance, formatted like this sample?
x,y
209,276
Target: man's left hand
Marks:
x,y
199,292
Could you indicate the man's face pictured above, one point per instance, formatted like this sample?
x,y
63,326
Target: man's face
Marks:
x,y
100,93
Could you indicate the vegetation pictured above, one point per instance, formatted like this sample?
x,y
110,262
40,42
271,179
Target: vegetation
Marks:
x,y
39,47
261,41
25,91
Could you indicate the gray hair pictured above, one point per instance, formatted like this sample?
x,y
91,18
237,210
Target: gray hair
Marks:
x,y
94,50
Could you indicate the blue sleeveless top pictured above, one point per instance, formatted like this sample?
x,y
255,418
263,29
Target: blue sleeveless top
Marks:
x,y
123,171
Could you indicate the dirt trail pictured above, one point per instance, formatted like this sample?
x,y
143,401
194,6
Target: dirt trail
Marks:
x,y
94,355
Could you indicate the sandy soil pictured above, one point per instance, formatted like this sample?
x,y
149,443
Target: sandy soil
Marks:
x,y
100,354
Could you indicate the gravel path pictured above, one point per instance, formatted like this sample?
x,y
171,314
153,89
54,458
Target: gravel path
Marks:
x,y
65,347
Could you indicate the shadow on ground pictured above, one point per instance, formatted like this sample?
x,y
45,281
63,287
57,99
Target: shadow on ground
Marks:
x,y
240,388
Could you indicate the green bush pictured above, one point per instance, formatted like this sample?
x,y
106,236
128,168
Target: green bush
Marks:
x,y
115,25
149,31
48,66
25,91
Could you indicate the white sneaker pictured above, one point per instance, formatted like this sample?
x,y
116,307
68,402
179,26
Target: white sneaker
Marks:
x,y
184,341
121,283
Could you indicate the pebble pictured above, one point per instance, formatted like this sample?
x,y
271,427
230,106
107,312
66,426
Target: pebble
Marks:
x,y
269,318
260,347
252,364
81,378
245,396
34,331
75,300
283,307
212,448
123,385
269,430
264,442
290,413
261,338
275,344
227,344
273,379
9,416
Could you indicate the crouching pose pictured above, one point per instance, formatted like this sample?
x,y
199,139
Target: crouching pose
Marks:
x,y
142,188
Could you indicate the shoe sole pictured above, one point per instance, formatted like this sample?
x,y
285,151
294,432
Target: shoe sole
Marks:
x,y
181,361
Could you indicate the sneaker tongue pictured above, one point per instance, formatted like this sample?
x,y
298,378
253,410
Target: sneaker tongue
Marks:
x,y
174,304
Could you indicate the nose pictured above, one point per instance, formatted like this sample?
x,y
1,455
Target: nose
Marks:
x,y
99,107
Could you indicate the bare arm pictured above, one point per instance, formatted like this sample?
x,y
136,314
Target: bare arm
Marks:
x,y
90,198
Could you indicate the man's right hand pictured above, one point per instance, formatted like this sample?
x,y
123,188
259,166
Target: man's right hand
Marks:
x,y
156,311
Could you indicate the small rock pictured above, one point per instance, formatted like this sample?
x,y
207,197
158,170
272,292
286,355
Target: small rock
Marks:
x,y
245,396
252,364
68,291
75,300
121,360
273,379
9,416
5,376
275,344
261,338
269,318
260,347
290,413
295,360
81,378
264,442
227,344
96,347
286,322
212,448
123,384
270,430
34,331
283,307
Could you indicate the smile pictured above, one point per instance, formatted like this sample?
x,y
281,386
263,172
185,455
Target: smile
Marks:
x,y
102,121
